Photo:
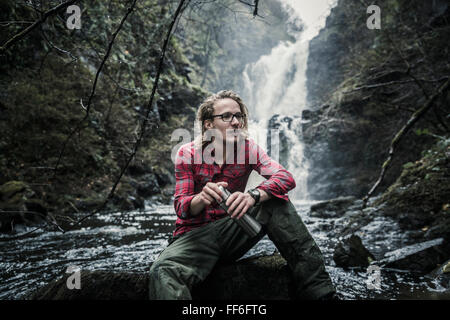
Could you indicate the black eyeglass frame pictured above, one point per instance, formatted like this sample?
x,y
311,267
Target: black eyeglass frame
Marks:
x,y
234,115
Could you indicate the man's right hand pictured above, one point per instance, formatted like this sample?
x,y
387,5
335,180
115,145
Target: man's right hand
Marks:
x,y
207,196
211,192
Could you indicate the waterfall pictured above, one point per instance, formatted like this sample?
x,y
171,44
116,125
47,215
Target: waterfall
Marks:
x,y
276,85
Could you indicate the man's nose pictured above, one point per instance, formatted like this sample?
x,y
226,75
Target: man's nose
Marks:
x,y
235,122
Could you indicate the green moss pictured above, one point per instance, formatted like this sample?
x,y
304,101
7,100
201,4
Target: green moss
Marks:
x,y
12,187
420,189
408,165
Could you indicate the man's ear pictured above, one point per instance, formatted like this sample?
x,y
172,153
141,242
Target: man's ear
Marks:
x,y
208,124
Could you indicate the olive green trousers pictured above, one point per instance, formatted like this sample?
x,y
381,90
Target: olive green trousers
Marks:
x,y
189,259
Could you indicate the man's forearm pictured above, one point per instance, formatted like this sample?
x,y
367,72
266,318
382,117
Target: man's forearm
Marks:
x,y
264,196
196,206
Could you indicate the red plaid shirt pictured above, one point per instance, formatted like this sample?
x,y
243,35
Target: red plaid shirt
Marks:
x,y
192,174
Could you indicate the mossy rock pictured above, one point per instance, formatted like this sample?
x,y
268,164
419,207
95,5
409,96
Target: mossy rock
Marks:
x,y
14,190
244,279
419,197
19,205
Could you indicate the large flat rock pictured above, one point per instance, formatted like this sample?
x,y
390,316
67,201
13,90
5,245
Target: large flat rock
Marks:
x,y
420,257
245,279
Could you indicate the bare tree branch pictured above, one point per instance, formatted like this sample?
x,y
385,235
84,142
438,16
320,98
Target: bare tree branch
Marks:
x,y
36,24
378,85
254,6
7,23
42,215
255,10
408,65
145,120
87,108
414,118
58,49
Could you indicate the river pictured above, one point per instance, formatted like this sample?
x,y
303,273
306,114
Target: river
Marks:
x,y
130,241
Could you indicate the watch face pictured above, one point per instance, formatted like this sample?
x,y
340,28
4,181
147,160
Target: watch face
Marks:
x,y
255,194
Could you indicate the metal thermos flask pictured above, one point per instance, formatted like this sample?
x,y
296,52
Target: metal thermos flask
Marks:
x,y
246,222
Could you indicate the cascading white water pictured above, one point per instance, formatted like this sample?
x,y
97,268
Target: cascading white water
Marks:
x,y
276,84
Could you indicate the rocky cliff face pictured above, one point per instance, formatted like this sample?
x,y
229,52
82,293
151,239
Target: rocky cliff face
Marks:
x,y
419,198
364,85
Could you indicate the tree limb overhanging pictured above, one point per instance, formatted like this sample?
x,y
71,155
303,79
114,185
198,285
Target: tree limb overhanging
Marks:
x,y
385,84
148,110
36,24
255,10
254,6
414,118
87,109
430,99
94,86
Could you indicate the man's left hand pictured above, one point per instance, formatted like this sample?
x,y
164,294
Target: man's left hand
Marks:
x,y
238,204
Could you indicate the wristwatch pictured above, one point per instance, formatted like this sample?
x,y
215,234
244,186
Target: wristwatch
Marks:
x,y
255,195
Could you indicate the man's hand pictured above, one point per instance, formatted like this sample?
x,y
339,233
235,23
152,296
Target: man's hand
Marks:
x,y
238,204
207,196
211,192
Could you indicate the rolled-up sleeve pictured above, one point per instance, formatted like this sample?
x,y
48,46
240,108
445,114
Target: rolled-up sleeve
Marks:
x,y
184,187
279,180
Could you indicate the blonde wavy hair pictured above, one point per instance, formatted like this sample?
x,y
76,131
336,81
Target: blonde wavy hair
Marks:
x,y
206,111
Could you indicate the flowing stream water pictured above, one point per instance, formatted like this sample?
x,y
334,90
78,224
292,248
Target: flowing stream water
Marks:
x,y
130,241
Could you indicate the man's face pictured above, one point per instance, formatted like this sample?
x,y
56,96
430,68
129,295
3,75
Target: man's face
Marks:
x,y
223,106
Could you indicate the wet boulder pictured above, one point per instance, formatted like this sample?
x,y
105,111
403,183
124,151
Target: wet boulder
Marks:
x,y
244,279
332,208
20,205
96,285
248,279
126,200
138,169
88,204
351,253
419,199
164,177
441,275
147,186
144,180
421,257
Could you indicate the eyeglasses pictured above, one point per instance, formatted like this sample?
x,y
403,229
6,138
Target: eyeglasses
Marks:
x,y
228,117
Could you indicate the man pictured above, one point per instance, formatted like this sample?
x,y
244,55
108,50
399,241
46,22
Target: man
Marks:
x,y
205,234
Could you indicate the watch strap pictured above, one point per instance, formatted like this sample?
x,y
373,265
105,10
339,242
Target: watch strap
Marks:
x,y
255,195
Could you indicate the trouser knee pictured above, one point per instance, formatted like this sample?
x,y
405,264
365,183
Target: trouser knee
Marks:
x,y
275,208
169,281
